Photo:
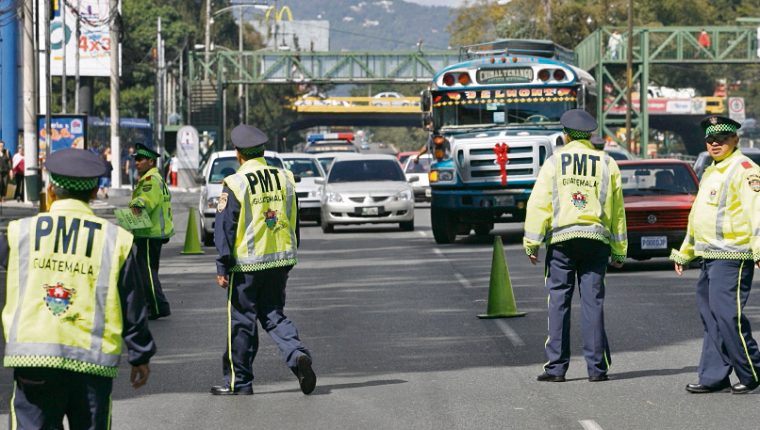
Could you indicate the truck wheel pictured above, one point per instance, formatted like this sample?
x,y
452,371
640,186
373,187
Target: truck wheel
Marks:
x,y
208,239
483,229
444,226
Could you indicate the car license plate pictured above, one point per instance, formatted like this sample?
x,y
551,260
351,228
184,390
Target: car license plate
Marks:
x,y
654,242
504,200
371,211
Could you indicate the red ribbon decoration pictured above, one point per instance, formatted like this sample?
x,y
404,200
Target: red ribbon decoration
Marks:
x,y
501,159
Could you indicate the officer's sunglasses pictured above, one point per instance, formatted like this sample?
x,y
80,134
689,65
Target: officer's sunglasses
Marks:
x,y
719,139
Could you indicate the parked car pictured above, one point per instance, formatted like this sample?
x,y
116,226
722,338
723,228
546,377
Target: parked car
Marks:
x,y
306,168
658,195
220,165
704,159
366,189
389,98
417,175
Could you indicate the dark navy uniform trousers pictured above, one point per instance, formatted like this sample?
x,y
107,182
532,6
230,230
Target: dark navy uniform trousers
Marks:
x,y
586,261
258,296
42,397
722,291
149,251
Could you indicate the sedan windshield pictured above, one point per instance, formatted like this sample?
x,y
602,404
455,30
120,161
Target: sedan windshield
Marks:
x,y
657,179
303,167
365,170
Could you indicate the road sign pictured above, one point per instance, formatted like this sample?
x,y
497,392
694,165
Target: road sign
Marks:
x,y
188,153
736,108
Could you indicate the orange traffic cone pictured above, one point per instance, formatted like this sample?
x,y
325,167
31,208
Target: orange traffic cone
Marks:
x,y
501,300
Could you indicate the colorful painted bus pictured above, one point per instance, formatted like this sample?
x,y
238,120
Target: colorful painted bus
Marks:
x,y
509,92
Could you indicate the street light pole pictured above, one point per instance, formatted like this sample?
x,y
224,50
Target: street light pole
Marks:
x,y
629,80
208,40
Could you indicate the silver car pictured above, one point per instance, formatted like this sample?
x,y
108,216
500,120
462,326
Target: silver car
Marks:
x,y
366,189
220,165
306,167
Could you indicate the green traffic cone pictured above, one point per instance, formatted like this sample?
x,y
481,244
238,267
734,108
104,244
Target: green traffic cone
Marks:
x,y
501,301
192,244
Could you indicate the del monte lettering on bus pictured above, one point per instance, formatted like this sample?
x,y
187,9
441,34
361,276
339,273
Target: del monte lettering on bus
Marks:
x,y
517,74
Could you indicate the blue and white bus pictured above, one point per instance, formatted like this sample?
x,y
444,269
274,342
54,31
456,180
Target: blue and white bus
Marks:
x,y
512,92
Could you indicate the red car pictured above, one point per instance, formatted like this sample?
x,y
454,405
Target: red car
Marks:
x,y
658,196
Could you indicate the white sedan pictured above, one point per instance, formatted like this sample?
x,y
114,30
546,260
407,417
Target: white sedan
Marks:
x,y
417,175
366,189
305,167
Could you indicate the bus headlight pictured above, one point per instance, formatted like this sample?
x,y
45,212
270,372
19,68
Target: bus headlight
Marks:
x,y
441,176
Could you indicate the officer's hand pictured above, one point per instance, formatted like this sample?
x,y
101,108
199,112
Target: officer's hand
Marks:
x,y
222,281
617,264
533,259
139,375
136,211
679,268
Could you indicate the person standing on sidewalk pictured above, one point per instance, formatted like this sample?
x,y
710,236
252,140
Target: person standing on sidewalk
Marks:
x,y
64,323
724,229
18,173
576,207
256,235
5,169
152,195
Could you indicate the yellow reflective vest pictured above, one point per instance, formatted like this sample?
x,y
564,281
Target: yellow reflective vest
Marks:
x,y
152,194
266,230
62,306
724,222
578,194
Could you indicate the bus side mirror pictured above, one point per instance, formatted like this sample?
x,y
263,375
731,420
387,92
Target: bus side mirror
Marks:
x,y
425,100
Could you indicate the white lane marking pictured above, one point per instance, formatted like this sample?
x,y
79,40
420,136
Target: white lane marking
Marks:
x,y
590,425
421,233
438,252
462,280
511,334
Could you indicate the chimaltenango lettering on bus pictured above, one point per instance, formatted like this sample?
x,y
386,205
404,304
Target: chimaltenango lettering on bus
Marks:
x,y
505,75
63,266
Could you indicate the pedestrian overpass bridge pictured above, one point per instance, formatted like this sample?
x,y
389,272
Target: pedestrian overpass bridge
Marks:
x,y
652,46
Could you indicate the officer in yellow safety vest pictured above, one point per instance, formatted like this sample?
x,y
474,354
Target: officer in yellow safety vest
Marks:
x,y
576,207
256,235
74,291
724,229
152,195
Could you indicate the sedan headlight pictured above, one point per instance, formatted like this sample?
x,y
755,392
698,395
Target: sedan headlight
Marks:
x,y
334,198
315,194
212,203
404,196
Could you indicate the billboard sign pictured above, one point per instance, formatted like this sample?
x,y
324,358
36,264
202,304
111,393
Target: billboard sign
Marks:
x,y
94,42
66,131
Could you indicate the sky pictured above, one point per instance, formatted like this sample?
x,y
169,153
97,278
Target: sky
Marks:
x,y
449,3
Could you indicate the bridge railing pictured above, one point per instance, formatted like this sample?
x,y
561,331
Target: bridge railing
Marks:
x,y
728,44
254,67
356,105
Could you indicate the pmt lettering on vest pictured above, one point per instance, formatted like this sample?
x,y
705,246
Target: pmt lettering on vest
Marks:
x,y
65,239
579,163
263,179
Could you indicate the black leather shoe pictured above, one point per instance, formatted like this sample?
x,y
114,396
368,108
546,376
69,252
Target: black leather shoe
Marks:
x,y
702,389
545,377
224,390
599,378
744,388
307,379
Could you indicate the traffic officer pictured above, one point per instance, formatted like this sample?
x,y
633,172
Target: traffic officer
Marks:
x,y
724,229
576,207
74,290
256,236
152,195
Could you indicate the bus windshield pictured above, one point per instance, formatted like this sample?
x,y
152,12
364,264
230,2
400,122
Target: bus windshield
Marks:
x,y
480,111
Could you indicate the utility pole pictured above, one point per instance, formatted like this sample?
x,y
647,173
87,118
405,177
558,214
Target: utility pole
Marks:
x,y
115,20
629,81
31,149
77,35
48,80
207,45
241,106
64,45
159,91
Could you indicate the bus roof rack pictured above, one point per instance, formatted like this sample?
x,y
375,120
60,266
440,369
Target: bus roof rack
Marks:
x,y
524,47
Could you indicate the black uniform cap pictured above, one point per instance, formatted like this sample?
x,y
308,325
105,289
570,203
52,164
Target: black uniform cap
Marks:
x,y
75,169
719,125
142,149
578,120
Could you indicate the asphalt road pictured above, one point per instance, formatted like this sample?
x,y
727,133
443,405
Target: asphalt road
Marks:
x,y
391,320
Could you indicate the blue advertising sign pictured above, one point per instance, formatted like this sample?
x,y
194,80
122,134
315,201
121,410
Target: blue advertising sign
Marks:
x,y
66,131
